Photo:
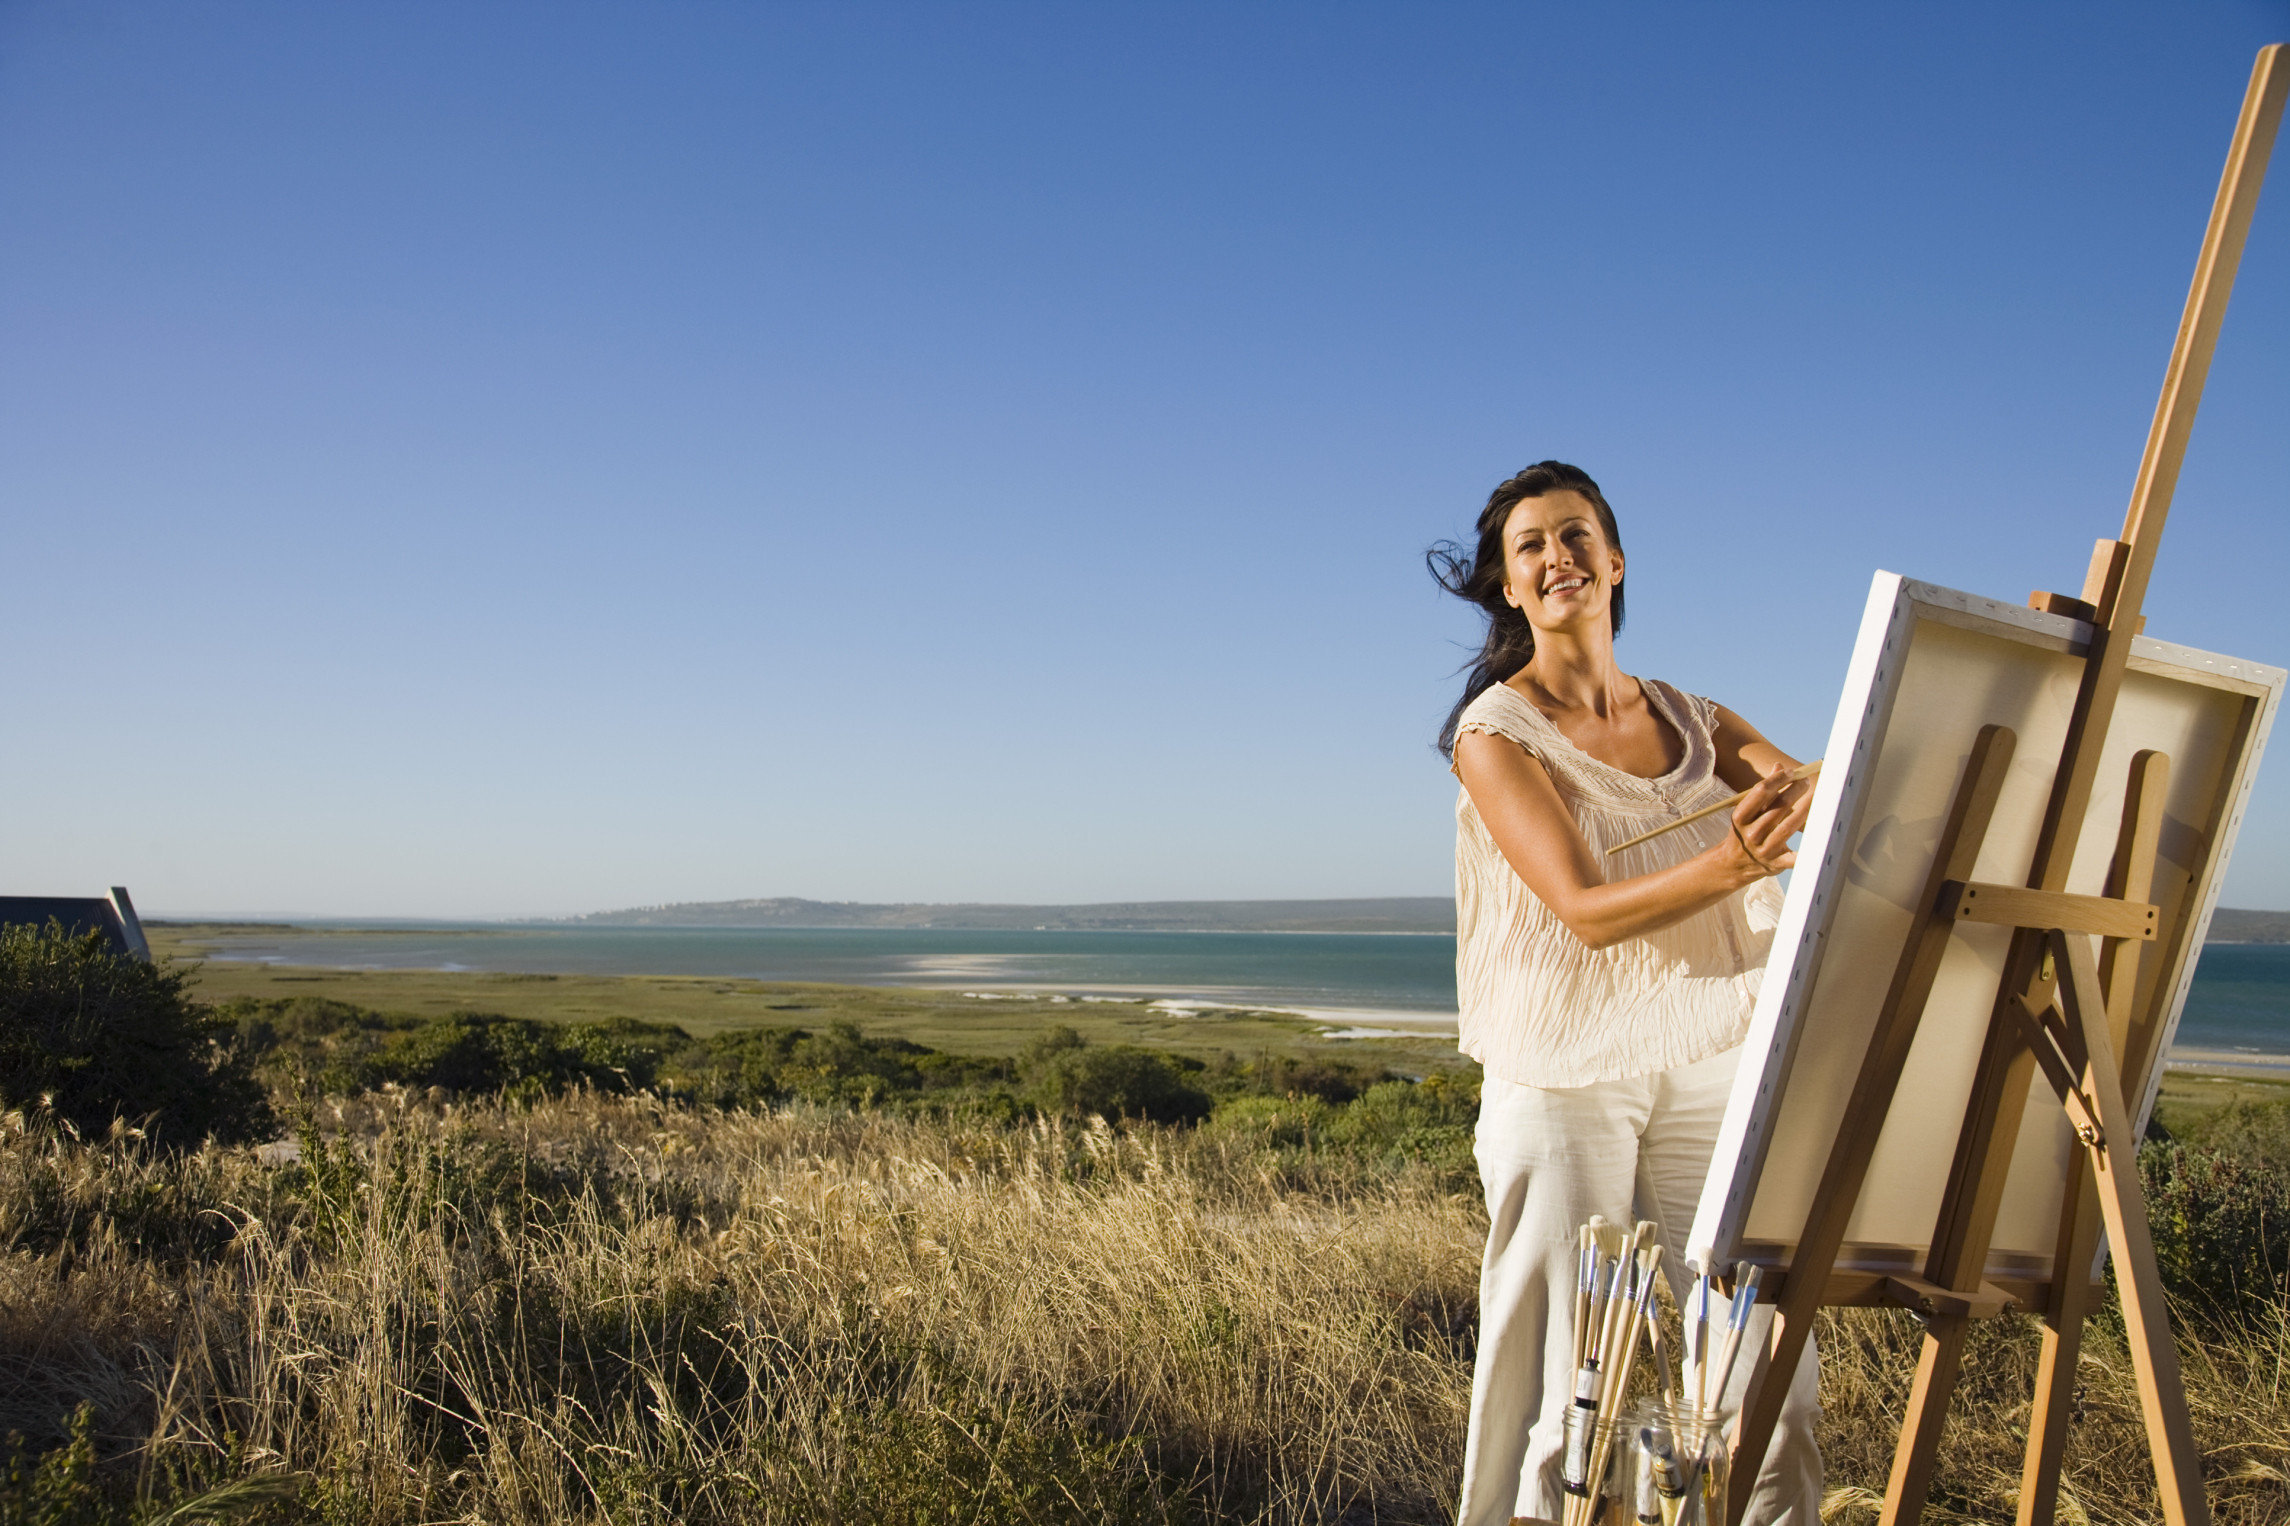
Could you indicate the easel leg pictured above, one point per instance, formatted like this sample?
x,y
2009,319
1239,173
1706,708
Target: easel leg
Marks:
x,y
2154,1355
2062,1347
1960,1250
2130,877
2115,1166
1937,1368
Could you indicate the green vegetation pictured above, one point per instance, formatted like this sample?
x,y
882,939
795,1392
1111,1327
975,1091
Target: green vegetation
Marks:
x,y
944,1020
64,1487
2254,1129
593,1307
311,1046
540,1269
308,1047
2218,1199
2187,1098
100,1041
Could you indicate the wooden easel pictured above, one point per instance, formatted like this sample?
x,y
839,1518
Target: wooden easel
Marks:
x,y
2058,1009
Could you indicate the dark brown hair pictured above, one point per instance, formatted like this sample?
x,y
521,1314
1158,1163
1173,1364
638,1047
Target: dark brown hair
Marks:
x,y
1510,639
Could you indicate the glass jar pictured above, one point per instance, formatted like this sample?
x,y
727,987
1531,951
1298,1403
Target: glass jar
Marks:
x,y
1675,1464
1585,1443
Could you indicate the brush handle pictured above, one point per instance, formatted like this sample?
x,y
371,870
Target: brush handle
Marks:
x,y
1746,1278
1617,1303
1611,1309
1618,1385
1585,1264
1601,1308
1801,772
1700,1329
1725,1362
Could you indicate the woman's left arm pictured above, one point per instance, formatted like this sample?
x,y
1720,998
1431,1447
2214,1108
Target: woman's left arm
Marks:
x,y
1744,756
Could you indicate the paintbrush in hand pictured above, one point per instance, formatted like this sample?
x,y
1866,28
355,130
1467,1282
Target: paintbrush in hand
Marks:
x,y
1801,772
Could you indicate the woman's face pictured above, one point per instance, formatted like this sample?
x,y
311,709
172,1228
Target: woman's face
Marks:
x,y
1558,569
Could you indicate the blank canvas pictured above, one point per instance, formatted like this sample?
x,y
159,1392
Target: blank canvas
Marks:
x,y
1931,667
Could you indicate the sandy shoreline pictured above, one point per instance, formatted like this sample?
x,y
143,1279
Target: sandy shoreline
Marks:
x,y
2229,1062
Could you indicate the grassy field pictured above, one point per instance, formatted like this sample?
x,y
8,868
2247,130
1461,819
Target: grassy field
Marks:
x,y
573,1308
2187,1095
944,1020
602,1309
941,1019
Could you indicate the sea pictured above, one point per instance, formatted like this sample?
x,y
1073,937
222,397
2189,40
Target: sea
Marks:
x,y
2239,1003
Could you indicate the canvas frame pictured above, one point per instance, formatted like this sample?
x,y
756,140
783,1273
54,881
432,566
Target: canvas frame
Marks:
x,y
1907,628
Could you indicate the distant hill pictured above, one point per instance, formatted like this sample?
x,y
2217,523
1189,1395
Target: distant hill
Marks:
x,y
1384,914
2228,925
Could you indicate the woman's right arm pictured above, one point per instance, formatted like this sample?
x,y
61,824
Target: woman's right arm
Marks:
x,y
1544,847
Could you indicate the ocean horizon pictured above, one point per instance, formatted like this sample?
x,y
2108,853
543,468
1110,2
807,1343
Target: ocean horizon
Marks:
x,y
2239,1003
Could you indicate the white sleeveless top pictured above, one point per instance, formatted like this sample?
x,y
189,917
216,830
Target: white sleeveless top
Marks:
x,y
1538,1006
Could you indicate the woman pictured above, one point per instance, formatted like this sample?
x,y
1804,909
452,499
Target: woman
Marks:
x,y
1606,997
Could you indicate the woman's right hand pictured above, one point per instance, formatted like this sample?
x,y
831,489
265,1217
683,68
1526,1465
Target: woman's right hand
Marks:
x,y
1763,822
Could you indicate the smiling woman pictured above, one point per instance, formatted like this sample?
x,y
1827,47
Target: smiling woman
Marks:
x,y
1608,1014
1484,578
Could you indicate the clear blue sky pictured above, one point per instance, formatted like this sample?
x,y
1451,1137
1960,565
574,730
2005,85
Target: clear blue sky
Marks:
x,y
502,460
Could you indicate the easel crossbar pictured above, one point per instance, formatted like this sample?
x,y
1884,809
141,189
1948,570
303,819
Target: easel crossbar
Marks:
x,y
2018,906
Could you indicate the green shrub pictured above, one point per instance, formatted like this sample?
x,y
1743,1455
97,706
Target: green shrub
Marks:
x,y
1392,1124
1271,1123
1067,1075
843,1067
2257,1133
1430,1121
58,1487
1280,1075
101,1035
2221,1225
311,1044
63,1486
484,1052
307,1044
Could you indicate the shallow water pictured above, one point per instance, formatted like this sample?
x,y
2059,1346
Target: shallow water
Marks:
x,y
2240,1000
1384,972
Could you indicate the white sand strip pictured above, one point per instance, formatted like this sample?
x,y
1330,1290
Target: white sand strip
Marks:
x,y
2229,1062
1410,1023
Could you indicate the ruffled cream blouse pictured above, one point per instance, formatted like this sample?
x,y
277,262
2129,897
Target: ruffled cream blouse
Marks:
x,y
1539,1007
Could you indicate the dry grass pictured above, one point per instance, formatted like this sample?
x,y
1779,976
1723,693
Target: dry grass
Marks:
x,y
607,1309
2238,1387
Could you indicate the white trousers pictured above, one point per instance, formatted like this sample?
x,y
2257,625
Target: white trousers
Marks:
x,y
1634,1149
